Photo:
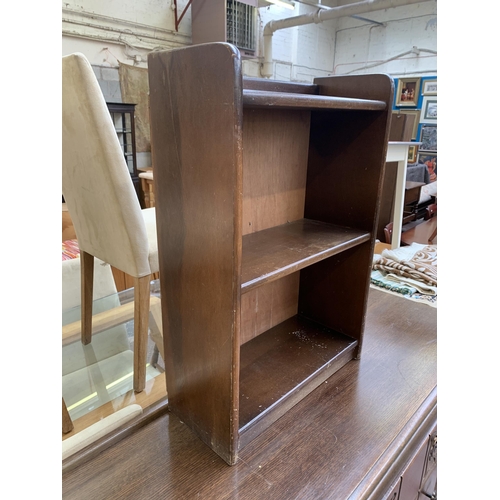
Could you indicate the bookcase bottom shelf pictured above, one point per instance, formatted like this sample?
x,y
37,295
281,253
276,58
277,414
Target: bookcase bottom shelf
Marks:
x,y
281,366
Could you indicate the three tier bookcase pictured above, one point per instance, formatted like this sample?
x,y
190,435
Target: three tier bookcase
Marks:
x,y
267,202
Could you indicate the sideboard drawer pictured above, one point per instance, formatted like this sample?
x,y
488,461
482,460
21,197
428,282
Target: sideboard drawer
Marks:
x,y
412,476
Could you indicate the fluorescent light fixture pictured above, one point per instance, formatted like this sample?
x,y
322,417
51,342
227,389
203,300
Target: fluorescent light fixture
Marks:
x,y
283,3
84,400
109,386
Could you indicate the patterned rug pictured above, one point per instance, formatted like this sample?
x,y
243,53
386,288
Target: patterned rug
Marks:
x,y
410,271
70,249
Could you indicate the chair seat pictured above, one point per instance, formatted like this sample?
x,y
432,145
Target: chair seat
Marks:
x,y
149,216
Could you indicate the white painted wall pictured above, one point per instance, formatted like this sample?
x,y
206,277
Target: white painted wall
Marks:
x,y
299,53
362,47
127,30
348,45
122,30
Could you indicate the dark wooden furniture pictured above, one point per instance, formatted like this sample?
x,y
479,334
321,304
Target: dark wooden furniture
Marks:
x,y
147,184
424,233
402,126
412,196
412,210
67,423
388,232
431,211
68,230
266,199
353,437
386,209
123,116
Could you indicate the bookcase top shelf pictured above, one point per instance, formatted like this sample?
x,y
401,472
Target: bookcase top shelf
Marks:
x,y
276,252
285,100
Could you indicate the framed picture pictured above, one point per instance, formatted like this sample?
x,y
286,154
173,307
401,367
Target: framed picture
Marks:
x,y
429,112
430,160
428,138
429,87
412,154
416,121
407,93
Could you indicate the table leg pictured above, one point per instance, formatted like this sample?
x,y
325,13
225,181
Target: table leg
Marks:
x,y
399,204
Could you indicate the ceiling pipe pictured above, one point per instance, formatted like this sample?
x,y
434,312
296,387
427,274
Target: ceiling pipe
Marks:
x,y
318,17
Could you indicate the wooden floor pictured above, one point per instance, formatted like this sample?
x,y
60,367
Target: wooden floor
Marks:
x,y
345,440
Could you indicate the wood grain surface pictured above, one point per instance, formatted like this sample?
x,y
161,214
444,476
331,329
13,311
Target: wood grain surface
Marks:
x,y
285,100
274,167
238,166
348,439
268,305
196,146
282,250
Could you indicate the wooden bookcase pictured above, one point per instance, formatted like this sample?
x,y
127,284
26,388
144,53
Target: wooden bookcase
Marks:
x,y
267,201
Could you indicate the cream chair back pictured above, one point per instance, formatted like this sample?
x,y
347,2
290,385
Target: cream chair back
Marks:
x,y
96,183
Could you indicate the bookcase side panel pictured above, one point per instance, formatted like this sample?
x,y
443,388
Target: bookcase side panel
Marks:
x,y
196,120
344,179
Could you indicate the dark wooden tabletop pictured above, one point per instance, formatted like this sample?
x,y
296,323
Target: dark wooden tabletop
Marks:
x,y
341,442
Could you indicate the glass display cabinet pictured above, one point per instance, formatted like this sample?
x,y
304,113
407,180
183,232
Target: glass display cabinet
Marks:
x,y
123,118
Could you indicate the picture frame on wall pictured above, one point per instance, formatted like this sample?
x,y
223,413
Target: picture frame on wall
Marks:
x,y
412,154
428,138
429,110
429,87
407,93
430,161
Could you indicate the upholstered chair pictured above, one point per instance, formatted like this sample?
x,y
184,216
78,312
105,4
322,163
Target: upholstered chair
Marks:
x,y
100,196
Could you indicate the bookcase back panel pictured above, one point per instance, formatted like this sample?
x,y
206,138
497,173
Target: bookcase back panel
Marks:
x,y
333,291
275,145
268,305
252,83
344,170
347,153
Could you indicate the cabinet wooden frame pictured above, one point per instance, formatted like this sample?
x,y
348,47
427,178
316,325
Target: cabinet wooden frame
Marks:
x,y
267,202
123,117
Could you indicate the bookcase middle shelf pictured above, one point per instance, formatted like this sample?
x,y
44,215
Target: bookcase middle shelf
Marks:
x,y
273,253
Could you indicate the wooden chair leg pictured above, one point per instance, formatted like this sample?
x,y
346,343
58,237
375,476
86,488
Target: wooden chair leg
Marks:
x,y
155,326
141,321
67,423
87,287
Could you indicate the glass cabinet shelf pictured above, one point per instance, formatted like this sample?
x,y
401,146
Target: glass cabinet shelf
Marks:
x,y
123,116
